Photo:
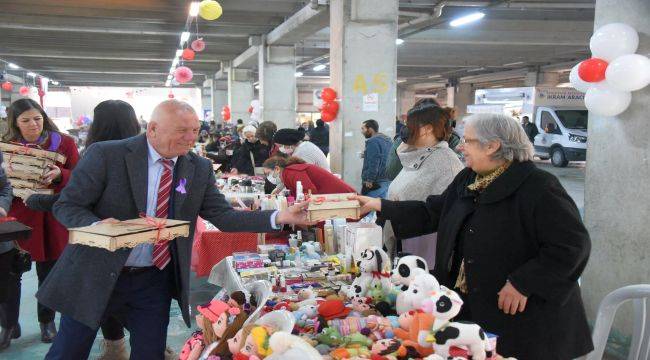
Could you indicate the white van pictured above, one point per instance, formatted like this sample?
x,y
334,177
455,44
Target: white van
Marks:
x,y
559,114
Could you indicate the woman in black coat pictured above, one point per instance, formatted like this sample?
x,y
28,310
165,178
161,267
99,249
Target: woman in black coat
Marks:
x,y
510,241
251,150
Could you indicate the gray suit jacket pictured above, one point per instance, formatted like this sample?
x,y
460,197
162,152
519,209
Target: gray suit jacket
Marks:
x,y
111,181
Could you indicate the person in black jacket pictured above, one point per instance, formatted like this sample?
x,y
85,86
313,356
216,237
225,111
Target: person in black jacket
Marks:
x,y
320,136
510,241
251,154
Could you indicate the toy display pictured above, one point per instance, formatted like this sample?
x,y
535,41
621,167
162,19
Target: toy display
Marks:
x,y
422,284
405,270
374,265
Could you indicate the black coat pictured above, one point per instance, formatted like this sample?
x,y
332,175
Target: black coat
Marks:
x,y
524,228
241,158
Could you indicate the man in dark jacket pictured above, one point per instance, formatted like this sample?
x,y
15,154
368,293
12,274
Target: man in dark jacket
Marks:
x,y
373,175
530,129
320,136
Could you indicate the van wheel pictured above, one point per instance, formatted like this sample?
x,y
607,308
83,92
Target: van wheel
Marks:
x,y
558,159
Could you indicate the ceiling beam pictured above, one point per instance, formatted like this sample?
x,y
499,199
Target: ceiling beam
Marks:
x,y
300,25
247,59
100,57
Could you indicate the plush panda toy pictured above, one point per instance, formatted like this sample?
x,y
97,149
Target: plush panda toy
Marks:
x,y
404,272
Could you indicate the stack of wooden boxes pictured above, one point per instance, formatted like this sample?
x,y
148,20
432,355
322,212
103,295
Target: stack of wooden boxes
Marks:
x,y
25,167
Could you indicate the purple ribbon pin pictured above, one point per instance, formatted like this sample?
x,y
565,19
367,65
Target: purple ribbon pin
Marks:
x,y
181,186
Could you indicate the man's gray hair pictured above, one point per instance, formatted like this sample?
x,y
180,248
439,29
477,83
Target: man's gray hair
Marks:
x,y
515,145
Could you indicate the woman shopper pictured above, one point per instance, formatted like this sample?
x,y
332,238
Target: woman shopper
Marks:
x,y
112,120
429,166
28,124
9,277
265,133
289,171
320,136
292,144
510,241
250,154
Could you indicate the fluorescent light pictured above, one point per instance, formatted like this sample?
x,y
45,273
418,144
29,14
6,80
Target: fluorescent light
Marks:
x,y
175,62
168,83
179,52
14,66
514,63
185,35
55,83
564,85
299,73
477,69
31,74
257,87
463,20
399,41
320,67
194,8
399,81
433,76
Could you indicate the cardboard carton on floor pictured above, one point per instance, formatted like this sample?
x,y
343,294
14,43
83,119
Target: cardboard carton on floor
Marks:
x,y
129,233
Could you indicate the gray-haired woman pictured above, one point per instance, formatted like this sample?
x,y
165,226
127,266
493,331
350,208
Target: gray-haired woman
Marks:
x,y
510,241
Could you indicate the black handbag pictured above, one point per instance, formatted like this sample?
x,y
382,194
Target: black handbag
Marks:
x,y
22,261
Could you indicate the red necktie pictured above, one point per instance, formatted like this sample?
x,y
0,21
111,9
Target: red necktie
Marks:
x,y
161,256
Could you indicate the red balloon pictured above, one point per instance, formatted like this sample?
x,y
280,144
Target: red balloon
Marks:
x,y
225,115
592,70
327,116
250,109
330,106
188,54
23,91
171,95
183,74
7,86
328,94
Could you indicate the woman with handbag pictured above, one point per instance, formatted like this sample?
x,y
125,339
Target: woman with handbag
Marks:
x,y
9,275
28,124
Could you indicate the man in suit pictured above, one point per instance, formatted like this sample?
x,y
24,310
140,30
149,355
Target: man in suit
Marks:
x,y
118,180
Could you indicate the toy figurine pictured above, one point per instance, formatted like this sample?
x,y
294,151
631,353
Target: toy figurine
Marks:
x,y
374,266
257,342
391,349
403,273
423,283
209,319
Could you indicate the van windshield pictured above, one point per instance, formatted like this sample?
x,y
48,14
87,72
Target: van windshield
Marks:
x,y
573,119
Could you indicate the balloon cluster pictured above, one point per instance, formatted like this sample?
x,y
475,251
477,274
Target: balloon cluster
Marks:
x,y
614,70
255,110
225,113
330,108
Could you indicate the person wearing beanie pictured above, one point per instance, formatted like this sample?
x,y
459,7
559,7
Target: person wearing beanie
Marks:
x,y
251,154
291,143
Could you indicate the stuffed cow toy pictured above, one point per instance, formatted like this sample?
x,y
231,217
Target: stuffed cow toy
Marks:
x,y
423,283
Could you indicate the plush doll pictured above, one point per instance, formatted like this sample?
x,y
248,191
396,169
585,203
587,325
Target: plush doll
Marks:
x,y
285,346
330,336
392,349
375,327
309,250
415,326
403,273
423,283
306,293
374,267
211,319
257,342
444,305
236,343
221,348
353,345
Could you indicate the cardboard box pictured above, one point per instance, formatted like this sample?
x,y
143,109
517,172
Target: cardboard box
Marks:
x,y
11,230
330,206
22,193
35,152
128,234
361,236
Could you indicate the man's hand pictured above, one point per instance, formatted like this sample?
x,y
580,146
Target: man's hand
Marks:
x,y
294,215
367,203
511,300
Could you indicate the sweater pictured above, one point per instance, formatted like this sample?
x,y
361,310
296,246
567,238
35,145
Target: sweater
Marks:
x,y
311,154
426,171
314,178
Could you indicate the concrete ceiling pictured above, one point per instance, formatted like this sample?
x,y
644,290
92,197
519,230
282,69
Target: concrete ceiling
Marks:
x,y
132,42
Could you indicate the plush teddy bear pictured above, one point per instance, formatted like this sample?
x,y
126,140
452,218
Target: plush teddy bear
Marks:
x,y
444,305
404,270
285,346
374,266
423,283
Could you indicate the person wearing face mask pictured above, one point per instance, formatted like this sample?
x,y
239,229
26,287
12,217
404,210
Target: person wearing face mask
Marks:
x,y
429,166
29,125
291,143
288,171
250,155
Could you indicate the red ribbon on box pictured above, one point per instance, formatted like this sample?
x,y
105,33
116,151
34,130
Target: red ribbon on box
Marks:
x,y
5,219
155,223
24,149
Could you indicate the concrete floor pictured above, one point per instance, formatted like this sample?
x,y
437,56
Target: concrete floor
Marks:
x,y
29,347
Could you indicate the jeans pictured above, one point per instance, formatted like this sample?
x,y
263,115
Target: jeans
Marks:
x,y
382,191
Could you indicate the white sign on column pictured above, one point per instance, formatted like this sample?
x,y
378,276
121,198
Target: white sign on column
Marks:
x,y
371,102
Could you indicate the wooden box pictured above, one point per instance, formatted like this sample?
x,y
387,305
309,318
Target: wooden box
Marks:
x,y
22,193
11,230
323,207
128,234
25,160
35,152
24,171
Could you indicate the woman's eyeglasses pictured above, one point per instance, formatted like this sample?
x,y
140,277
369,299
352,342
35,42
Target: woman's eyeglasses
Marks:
x,y
465,141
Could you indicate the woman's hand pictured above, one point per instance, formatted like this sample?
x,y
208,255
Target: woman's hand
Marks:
x,y
52,175
511,300
367,203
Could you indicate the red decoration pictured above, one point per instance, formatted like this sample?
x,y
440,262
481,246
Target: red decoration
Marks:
x,y
250,109
188,54
7,86
198,45
23,91
328,94
225,113
330,106
327,116
592,70
183,74
171,95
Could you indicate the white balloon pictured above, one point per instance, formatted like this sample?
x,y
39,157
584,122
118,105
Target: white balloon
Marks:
x,y
255,103
628,72
602,99
576,81
613,40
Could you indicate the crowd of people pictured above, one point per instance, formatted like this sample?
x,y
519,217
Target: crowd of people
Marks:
x,y
497,229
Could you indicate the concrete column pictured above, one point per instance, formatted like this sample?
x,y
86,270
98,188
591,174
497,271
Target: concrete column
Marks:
x,y
240,93
616,196
459,96
219,98
277,68
363,61
405,101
